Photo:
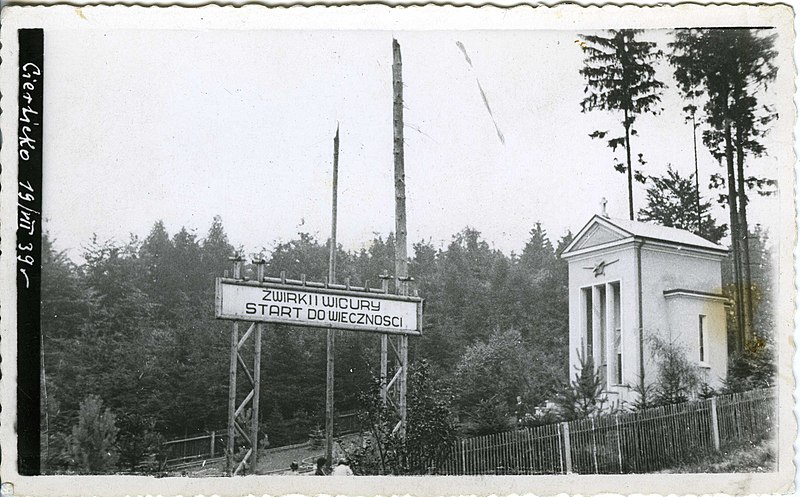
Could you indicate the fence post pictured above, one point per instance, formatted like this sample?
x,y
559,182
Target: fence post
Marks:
x,y
619,441
213,438
560,456
714,423
567,450
463,457
594,448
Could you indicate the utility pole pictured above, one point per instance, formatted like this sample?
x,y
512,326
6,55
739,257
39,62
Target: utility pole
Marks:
x,y
329,411
400,255
400,259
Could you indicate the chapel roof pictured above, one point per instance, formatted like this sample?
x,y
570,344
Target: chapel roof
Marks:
x,y
600,230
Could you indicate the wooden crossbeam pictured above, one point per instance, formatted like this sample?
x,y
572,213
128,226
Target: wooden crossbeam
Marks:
x,y
242,432
244,403
394,378
243,461
245,336
246,370
397,426
396,353
391,401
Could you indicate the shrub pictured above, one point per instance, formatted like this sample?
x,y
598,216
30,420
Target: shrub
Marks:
x,y
753,368
139,444
430,430
91,446
678,379
585,395
489,416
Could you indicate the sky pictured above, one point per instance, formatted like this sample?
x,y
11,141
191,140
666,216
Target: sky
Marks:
x,y
181,126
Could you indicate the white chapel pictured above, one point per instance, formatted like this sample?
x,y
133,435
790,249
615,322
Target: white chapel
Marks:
x,y
628,279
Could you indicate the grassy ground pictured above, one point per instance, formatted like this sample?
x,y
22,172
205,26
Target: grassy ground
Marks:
x,y
740,458
271,461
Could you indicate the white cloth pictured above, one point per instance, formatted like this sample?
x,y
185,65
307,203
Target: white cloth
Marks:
x,y
342,470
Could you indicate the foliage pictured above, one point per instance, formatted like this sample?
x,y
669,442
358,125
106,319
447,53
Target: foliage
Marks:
x,y
620,78
547,417
762,254
646,396
138,443
488,416
430,432
678,379
91,447
492,373
431,426
753,368
728,68
671,202
585,396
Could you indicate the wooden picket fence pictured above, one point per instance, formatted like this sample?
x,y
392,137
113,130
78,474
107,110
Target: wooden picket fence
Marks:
x,y
212,445
185,450
636,442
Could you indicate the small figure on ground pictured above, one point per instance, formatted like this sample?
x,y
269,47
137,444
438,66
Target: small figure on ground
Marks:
x,y
294,467
320,467
342,469
521,410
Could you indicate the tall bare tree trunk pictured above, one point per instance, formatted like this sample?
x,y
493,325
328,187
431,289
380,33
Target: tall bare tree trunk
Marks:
x,y
696,177
630,166
744,242
734,220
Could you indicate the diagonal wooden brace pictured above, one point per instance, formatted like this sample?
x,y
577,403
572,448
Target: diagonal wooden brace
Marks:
x,y
243,404
396,353
245,336
394,379
242,433
243,462
246,370
391,401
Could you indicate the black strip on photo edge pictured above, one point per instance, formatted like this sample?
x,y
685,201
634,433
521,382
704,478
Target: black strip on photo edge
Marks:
x,y
29,248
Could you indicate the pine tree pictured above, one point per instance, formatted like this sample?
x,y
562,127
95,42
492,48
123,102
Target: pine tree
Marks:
x,y
64,304
585,395
671,201
91,447
538,253
155,253
620,77
215,251
731,68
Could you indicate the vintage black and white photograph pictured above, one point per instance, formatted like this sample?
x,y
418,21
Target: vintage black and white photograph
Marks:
x,y
240,249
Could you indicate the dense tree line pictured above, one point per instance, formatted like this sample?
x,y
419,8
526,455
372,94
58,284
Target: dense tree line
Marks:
x,y
131,329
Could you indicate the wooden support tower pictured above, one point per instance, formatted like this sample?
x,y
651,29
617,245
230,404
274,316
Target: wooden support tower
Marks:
x,y
247,439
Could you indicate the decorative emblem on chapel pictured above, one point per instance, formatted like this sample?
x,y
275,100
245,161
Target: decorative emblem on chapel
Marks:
x,y
599,269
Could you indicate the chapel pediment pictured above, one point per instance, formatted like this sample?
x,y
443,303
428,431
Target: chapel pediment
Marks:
x,y
597,235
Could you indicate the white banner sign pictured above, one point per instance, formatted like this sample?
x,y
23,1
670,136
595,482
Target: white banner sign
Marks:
x,y
320,307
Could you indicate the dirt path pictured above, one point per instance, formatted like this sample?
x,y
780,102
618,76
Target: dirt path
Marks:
x,y
278,460
270,462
